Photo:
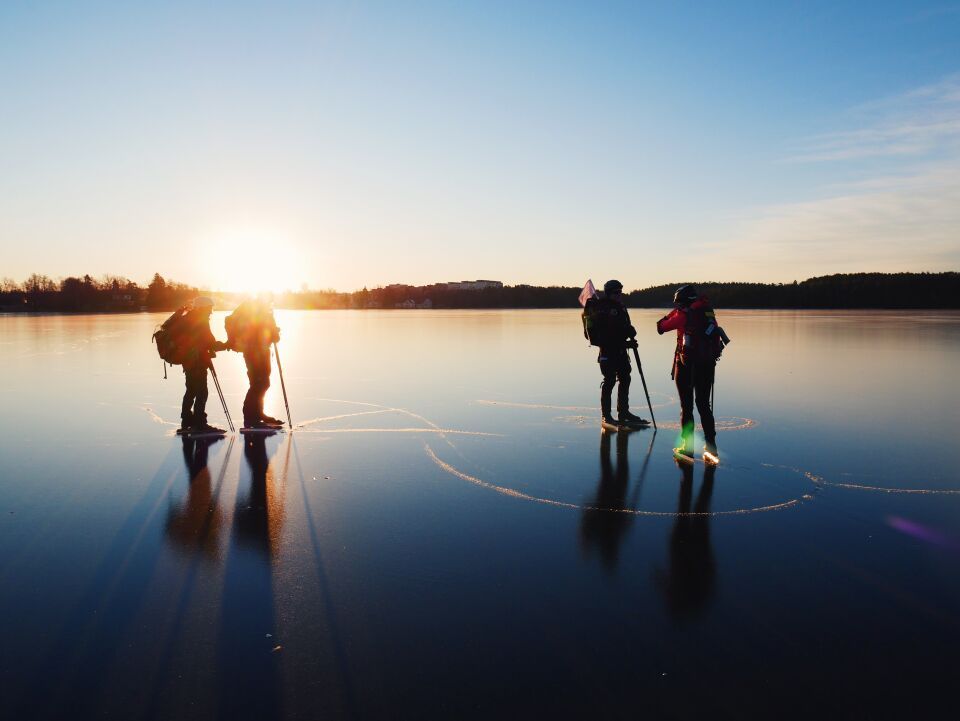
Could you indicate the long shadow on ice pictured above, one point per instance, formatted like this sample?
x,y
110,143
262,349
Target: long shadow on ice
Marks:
x,y
689,580
249,678
71,677
601,525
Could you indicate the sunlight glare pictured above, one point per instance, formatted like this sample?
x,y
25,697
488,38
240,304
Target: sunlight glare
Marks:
x,y
250,261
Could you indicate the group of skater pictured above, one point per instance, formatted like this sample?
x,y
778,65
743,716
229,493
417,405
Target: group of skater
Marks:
x,y
186,339
700,341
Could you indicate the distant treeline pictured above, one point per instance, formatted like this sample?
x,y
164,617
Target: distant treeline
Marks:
x,y
855,290
844,290
110,294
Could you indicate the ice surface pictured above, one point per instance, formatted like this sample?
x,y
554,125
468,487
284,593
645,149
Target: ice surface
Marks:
x,y
447,532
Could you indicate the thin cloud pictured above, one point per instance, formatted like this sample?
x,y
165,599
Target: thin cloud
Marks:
x,y
906,218
921,121
898,224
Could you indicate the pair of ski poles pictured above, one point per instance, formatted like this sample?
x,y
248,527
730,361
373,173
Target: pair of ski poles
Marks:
x,y
283,386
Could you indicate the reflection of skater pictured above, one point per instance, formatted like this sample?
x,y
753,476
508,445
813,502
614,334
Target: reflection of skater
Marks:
x,y
601,528
249,680
196,524
260,513
688,583
699,346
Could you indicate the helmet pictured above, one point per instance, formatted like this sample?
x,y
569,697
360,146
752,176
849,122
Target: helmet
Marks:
x,y
202,302
685,295
612,286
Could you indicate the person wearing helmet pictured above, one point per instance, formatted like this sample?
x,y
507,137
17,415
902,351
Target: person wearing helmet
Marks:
x,y
200,346
616,336
694,363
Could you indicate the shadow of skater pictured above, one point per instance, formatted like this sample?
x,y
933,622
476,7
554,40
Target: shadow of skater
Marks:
x,y
602,529
689,581
249,685
195,524
260,512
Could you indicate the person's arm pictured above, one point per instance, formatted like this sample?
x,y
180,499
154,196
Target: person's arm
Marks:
x,y
675,320
628,328
211,344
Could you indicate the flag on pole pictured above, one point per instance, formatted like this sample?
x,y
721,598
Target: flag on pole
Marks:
x,y
587,293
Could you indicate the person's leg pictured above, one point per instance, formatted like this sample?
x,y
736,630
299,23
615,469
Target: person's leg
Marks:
x,y
250,414
263,383
684,381
200,397
609,370
703,383
623,387
186,406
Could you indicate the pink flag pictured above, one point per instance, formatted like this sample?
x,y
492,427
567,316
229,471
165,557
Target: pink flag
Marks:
x,y
588,292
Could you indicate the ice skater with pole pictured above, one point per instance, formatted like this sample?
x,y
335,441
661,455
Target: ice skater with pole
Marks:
x,y
251,330
185,339
606,324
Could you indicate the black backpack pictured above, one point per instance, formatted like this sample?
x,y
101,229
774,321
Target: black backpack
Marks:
x,y
595,323
171,337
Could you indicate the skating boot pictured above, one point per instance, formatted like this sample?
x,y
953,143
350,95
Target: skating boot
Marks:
x,y
710,454
628,419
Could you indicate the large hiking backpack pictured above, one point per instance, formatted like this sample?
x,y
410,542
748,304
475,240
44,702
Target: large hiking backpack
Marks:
x,y
703,340
171,337
251,325
595,323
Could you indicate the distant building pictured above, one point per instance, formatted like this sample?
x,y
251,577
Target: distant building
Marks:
x,y
125,299
410,304
473,284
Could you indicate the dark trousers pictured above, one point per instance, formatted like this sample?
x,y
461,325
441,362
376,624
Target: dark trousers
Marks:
x,y
615,368
194,408
258,373
694,382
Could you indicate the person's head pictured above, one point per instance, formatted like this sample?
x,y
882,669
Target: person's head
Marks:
x,y
203,305
613,289
685,295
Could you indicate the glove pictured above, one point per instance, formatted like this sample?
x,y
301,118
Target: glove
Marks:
x,y
631,332
632,343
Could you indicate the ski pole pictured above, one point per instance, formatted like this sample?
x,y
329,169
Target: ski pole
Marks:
x,y
283,385
226,411
644,380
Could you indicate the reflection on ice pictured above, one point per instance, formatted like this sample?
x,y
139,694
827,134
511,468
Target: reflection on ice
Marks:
x,y
605,530
688,581
196,523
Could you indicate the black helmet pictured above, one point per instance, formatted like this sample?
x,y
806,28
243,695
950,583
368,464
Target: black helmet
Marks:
x,y
612,286
685,295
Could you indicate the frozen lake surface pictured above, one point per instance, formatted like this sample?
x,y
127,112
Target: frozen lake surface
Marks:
x,y
448,533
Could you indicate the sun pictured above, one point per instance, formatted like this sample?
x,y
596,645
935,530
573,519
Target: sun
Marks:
x,y
253,261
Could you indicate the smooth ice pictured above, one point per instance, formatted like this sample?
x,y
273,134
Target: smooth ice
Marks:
x,y
447,533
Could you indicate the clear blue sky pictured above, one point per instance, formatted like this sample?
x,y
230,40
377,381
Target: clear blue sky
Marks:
x,y
348,144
